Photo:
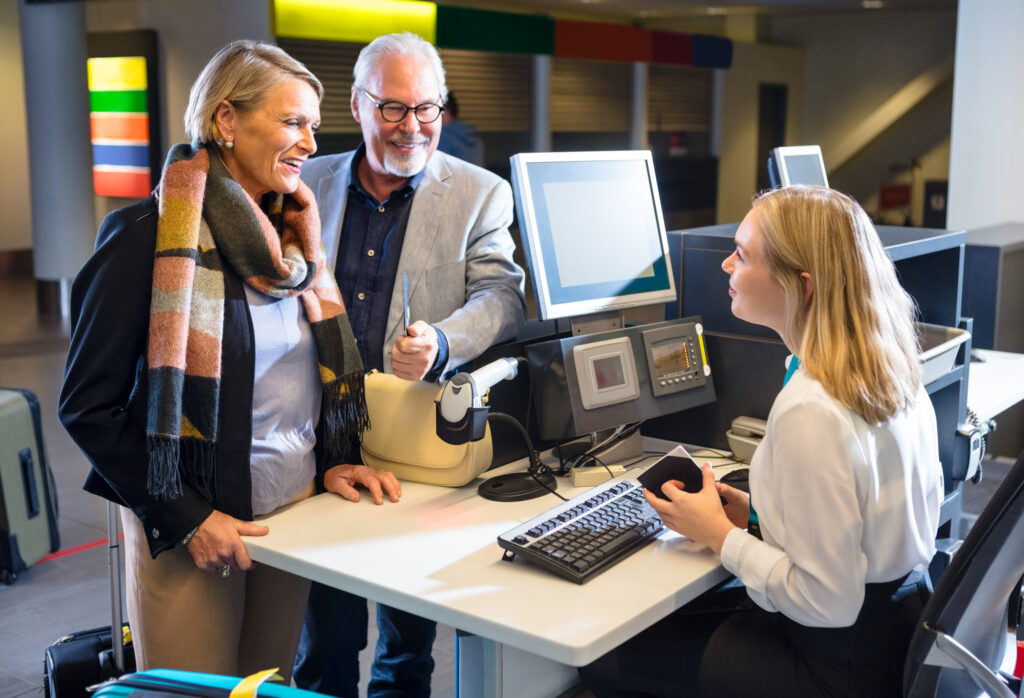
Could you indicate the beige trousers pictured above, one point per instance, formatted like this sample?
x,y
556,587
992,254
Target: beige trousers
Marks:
x,y
185,618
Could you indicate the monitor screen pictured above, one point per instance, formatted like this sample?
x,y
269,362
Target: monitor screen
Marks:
x,y
797,164
592,230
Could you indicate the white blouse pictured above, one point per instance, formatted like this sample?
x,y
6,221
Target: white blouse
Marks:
x,y
840,503
286,396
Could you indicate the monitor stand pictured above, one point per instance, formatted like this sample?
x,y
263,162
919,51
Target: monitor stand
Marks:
x,y
598,322
621,450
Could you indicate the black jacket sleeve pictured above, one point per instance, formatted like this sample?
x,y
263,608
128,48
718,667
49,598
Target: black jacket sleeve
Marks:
x,y
103,400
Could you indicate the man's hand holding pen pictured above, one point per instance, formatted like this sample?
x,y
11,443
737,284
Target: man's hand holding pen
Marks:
x,y
414,355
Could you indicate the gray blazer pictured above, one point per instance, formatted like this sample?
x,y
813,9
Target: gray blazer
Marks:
x,y
457,252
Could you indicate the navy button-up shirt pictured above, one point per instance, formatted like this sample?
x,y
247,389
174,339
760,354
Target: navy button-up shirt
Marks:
x,y
368,251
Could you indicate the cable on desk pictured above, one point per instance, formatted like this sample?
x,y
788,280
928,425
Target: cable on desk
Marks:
x,y
623,431
642,458
537,469
567,463
628,430
564,462
581,460
597,461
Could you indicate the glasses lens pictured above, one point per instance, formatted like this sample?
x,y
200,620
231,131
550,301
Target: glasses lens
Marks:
x,y
393,111
428,113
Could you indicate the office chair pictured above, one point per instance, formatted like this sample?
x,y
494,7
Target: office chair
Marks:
x,y
959,642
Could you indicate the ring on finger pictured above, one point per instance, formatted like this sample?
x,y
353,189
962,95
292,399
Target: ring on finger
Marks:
x,y
225,570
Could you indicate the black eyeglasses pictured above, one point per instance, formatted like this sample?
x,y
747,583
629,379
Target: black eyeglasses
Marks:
x,y
392,111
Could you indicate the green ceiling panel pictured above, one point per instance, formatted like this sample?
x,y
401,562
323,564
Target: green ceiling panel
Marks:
x,y
483,30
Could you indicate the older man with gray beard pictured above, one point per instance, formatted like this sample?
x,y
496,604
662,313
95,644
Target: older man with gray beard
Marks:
x,y
391,208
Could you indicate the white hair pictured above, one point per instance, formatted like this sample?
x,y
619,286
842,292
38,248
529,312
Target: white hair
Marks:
x,y
401,44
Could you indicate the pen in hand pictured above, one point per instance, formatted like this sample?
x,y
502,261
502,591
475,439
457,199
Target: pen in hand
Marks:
x,y
405,300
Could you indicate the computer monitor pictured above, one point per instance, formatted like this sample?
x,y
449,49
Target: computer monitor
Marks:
x,y
593,231
796,164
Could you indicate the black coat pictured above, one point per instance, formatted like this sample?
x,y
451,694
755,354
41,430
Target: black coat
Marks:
x,y
104,398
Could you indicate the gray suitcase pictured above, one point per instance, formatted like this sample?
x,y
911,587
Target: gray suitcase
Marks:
x,y
28,497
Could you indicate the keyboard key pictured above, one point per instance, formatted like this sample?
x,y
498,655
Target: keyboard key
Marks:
x,y
625,539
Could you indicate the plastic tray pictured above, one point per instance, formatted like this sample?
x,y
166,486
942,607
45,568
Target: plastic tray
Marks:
x,y
939,345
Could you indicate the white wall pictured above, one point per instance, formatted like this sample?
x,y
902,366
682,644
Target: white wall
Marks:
x,y
16,222
855,61
850,64
738,96
986,180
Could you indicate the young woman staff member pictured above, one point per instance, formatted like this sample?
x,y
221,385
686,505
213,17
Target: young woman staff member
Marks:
x,y
846,483
212,375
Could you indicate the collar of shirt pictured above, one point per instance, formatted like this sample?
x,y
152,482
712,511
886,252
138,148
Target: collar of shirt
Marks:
x,y
356,186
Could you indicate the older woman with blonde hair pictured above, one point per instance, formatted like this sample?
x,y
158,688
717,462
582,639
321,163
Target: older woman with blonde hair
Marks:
x,y
212,375
833,542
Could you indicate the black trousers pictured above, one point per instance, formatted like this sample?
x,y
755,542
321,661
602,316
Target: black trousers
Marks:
x,y
723,645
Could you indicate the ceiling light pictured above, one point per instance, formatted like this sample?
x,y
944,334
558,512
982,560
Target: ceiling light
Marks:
x,y
716,10
872,4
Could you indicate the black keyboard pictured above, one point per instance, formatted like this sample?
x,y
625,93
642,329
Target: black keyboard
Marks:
x,y
586,535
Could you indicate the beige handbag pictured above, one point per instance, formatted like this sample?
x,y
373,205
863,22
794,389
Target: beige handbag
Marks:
x,y
402,436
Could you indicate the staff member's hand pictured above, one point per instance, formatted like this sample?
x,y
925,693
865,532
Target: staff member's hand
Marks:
x,y
217,544
343,479
414,355
737,504
697,515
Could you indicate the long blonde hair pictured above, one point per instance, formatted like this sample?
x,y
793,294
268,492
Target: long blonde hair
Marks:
x,y
855,333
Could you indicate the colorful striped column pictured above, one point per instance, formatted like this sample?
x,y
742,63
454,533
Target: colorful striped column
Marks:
x,y
118,107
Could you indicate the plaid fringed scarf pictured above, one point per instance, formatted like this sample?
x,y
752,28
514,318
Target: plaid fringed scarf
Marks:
x,y
207,222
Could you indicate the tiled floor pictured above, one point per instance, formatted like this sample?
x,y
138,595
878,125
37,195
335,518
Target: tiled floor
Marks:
x,y
72,593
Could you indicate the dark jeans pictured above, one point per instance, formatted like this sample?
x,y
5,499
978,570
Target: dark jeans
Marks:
x,y
724,646
335,633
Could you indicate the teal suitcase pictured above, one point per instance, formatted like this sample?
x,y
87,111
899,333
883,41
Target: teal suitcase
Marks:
x,y
28,497
168,683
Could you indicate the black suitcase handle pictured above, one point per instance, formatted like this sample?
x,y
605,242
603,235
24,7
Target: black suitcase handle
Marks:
x,y
28,479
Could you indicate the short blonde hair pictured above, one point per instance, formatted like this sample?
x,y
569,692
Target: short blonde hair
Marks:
x,y
242,72
855,334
